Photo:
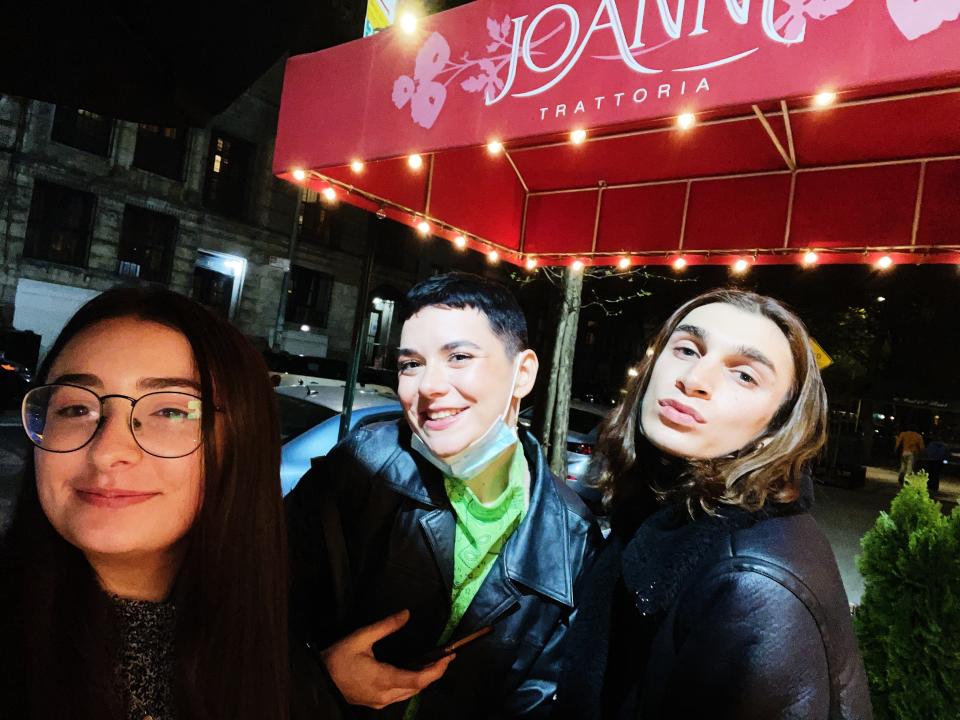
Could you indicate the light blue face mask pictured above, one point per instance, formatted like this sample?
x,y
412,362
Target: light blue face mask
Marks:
x,y
467,463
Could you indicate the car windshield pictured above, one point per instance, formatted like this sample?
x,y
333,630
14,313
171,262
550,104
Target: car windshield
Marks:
x,y
297,416
582,421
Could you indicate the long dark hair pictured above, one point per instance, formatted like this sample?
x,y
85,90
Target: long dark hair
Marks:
x,y
766,470
230,593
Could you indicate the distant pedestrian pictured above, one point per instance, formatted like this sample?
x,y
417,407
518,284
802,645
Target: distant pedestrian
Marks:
x,y
934,455
909,445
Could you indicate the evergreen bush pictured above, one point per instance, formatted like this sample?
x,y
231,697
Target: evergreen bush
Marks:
x,y
908,624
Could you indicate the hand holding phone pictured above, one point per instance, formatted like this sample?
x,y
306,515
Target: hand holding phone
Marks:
x,y
443,651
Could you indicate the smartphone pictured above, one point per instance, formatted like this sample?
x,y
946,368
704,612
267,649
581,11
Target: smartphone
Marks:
x,y
441,652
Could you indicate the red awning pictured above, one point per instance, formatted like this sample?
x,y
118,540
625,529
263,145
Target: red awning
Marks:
x,y
764,173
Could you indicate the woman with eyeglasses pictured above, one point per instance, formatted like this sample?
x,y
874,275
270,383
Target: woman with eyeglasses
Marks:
x,y
716,596
146,575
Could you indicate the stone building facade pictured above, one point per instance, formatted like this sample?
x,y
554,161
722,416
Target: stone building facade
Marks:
x,y
90,202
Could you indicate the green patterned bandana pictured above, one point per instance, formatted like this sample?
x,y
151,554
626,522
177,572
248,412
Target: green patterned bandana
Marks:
x,y
482,531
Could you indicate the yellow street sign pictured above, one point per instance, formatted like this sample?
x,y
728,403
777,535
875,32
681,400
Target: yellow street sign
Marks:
x,y
820,355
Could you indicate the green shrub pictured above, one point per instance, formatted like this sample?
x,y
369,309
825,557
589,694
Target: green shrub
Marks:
x,y
908,624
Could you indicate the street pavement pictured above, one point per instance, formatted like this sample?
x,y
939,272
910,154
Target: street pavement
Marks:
x,y
846,515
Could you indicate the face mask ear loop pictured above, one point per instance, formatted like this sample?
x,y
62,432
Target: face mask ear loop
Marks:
x,y
513,389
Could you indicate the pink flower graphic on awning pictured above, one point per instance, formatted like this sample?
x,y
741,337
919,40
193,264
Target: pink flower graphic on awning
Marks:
x,y
793,23
918,17
427,94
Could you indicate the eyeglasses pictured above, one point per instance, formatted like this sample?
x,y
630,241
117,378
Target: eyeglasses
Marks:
x,y
62,418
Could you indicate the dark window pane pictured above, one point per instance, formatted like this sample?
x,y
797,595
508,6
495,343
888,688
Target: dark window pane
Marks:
x,y
161,150
59,226
82,129
309,300
147,239
228,168
213,290
320,226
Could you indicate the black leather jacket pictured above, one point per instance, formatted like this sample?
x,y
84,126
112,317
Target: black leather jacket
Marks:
x,y
398,532
738,620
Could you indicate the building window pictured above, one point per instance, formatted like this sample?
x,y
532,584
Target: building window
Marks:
x,y
82,129
161,150
59,226
147,239
319,226
309,300
228,168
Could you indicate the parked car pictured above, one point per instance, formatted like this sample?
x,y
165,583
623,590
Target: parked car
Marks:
x,y
15,380
584,426
310,422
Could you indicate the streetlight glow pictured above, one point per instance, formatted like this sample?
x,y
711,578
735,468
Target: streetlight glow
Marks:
x,y
408,22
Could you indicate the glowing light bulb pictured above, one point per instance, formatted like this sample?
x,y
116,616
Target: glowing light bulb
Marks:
x,y
460,241
679,264
299,174
423,227
740,266
810,258
885,263
578,136
825,98
304,328
633,372
494,147
577,265
493,257
415,161
531,263
356,166
330,194
408,22
624,263
686,120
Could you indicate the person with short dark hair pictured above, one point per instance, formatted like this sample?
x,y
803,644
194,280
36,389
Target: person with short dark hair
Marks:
x,y
415,534
716,596
145,573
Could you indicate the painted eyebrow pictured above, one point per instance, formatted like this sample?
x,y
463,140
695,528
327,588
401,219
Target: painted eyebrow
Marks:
x,y
744,350
77,379
158,383
754,354
698,332
447,347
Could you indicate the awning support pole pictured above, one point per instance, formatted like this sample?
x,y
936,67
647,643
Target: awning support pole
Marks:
x,y
360,321
773,136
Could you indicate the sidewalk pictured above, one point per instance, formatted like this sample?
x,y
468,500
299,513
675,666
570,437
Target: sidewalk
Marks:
x,y
846,515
